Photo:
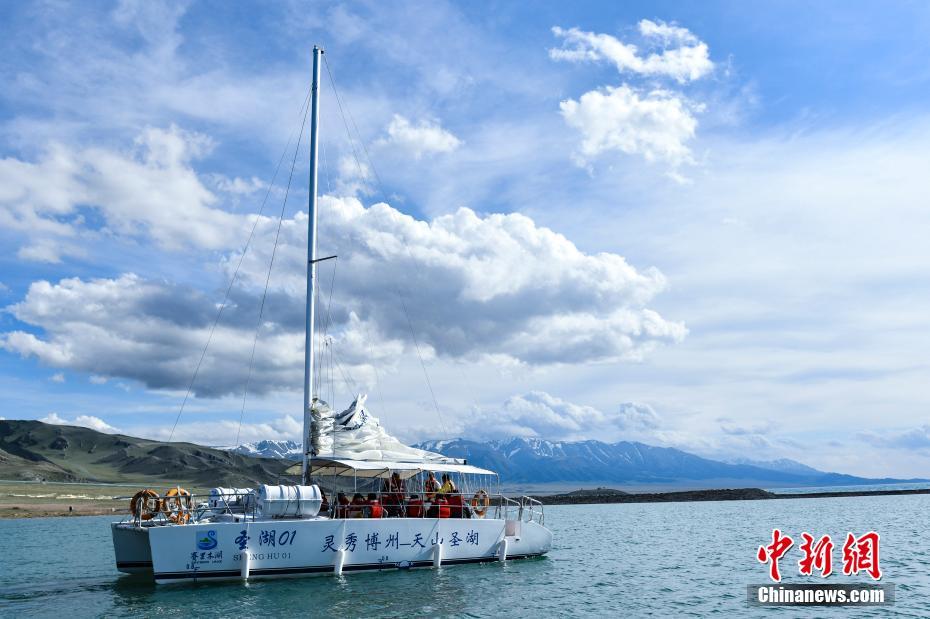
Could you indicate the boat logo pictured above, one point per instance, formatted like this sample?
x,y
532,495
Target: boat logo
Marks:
x,y
206,542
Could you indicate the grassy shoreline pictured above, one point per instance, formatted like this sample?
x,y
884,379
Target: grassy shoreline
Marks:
x,y
48,499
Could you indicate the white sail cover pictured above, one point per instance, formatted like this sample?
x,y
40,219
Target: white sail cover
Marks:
x,y
356,434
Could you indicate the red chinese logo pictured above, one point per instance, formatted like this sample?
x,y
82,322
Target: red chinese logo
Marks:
x,y
816,556
773,552
860,554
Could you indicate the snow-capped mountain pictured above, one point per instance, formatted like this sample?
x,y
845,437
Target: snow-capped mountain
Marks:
x,y
283,450
537,461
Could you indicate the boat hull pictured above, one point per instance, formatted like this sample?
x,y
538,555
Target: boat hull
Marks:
x,y
131,546
287,548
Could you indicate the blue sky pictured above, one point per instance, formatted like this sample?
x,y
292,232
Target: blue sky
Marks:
x,y
695,225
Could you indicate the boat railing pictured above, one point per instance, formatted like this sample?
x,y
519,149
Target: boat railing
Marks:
x,y
533,510
385,504
189,508
508,509
415,505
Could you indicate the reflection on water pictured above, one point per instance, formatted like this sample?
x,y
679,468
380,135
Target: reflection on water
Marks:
x,y
668,559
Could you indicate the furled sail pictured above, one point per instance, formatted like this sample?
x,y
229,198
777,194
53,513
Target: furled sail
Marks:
x,y
356,434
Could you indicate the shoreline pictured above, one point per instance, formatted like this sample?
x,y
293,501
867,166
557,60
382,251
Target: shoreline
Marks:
x,y
44,499
687,496
21,511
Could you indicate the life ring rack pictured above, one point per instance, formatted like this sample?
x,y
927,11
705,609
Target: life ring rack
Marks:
x,y
145,504
480,503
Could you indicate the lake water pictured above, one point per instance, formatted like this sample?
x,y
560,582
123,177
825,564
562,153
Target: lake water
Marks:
x,y
667,559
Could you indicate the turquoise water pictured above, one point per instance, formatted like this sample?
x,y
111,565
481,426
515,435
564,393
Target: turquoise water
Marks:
x,y
661,559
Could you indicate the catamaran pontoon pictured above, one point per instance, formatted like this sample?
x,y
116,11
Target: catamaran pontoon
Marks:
x,y
399,516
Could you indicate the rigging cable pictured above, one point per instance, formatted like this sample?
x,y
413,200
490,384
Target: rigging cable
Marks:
x,y
429,384
361,169
346,378
329,186
329,303
274,250
374,366
320,355
232,281
406,247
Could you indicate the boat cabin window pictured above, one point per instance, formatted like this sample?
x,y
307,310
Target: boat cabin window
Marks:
x,y
404,493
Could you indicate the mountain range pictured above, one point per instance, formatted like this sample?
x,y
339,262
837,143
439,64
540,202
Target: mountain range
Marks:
x,y
531,462
32,450
36,451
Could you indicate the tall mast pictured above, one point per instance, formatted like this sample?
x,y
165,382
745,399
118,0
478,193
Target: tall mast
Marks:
x,y
311,262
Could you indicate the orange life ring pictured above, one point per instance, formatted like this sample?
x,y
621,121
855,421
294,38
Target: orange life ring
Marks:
x,y
177,505
145,504
480,503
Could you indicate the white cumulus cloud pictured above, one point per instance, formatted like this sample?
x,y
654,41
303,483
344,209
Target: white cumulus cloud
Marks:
x,y
421,138
683,57
656,125
497,287
655,122
497,284
147,331
150,190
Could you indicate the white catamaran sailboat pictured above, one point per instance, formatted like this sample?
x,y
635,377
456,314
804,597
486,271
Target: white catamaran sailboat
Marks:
x,y
399,515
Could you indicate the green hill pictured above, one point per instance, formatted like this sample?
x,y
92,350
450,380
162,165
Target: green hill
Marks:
x,y
36,451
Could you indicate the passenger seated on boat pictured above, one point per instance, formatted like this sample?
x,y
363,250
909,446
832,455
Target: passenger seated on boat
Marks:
x,y
373,509
392,506
430,486
324,506
448,487
439,509
393,497
456,505
342,507
415,507
357,507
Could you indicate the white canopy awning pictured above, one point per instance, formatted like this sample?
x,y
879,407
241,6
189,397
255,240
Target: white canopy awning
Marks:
x,y
370,468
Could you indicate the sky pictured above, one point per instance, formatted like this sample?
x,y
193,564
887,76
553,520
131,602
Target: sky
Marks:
x,y
699,226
